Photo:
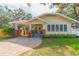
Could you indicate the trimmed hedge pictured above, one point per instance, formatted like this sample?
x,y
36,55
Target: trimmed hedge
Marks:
x,y
60,36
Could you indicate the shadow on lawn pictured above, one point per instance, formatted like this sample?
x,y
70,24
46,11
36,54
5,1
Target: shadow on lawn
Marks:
x,y
62,46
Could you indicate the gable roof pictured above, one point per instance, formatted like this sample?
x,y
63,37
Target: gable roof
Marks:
x,y
45,14
53,14
25,21
68,17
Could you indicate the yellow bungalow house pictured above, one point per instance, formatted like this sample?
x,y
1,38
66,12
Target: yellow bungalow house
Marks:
x,y
48,23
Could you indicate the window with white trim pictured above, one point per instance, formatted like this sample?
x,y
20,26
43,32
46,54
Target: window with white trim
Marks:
x,y
57,27
53,27
61,27
48,27
65,27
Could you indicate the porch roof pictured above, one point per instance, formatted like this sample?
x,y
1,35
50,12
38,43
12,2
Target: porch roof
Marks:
x,y
25,21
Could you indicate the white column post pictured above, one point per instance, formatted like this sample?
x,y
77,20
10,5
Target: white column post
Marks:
x,y
30,27
44,27
16,28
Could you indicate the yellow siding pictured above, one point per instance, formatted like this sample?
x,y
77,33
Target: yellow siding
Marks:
x,y
58,20
55,19
36,21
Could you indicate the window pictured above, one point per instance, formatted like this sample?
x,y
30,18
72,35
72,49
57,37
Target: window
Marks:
x,y
61,27
57,27
48,27
53,29
65,27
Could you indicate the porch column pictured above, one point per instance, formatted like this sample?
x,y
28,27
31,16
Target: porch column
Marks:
x,y
16,27
29,27
44,27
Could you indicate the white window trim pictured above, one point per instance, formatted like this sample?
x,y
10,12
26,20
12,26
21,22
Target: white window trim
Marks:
x,y
58,27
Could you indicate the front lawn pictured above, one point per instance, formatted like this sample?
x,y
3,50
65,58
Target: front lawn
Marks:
x,y
58,47
1,39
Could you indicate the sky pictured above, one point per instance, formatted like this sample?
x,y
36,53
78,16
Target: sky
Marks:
x,y
36,9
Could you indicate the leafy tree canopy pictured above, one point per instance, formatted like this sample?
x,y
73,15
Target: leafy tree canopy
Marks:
x,y
7,15
69,9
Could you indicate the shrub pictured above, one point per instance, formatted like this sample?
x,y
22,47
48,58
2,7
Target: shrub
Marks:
x,y
8,30
60,36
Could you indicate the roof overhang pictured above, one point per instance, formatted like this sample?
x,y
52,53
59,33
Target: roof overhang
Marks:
x,y
54,14
38,17
67,17
25,21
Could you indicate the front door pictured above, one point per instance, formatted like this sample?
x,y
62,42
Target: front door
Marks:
x,y
37,30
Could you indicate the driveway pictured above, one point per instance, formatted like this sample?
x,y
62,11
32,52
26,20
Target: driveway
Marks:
x,y
18,46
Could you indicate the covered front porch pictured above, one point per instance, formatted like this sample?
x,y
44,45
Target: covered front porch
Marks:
x,y
35,27
32,30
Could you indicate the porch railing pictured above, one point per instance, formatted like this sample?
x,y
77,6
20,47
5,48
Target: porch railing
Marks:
x,y
28,33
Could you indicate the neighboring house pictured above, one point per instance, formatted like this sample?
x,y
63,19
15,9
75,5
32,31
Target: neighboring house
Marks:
x,y
50,23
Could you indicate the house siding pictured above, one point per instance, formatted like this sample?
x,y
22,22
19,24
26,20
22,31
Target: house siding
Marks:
x,y
36,21
58,20
51,20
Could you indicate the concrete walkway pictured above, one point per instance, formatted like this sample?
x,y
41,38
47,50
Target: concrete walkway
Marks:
x,y
18,46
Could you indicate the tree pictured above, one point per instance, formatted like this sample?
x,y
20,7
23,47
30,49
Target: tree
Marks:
x,y
5,15
28,4
21,14
8,30
69,9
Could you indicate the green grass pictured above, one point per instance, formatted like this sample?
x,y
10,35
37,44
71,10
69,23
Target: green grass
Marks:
x,y
58,47
1,39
